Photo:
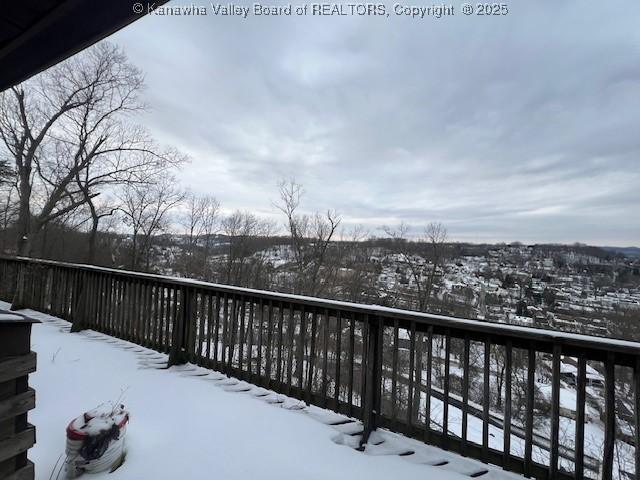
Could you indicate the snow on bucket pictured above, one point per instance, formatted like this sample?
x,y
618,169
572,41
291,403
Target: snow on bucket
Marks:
x,y
96,440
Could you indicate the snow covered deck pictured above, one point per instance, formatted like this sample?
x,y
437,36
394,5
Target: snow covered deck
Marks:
x,y
189,422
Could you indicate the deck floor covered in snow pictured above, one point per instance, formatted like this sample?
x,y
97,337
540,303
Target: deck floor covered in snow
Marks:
x,y
191,423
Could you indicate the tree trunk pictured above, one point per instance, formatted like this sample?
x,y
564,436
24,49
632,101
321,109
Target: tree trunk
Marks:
x,y
134,251
93,235
22,229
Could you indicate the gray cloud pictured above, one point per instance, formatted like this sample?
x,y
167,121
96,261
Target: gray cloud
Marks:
x,y
522,127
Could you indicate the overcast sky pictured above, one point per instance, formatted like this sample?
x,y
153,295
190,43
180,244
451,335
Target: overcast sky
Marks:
x,y
522,127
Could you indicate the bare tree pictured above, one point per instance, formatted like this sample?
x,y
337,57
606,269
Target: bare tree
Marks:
x,y
310,237
436,237
145,209
67,135
241,265
422,257
200,222
358,278
8,205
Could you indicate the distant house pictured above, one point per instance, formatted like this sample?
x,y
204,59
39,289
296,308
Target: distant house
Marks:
x,y
569,373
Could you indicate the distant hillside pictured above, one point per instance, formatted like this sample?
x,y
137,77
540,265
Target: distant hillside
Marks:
x,y
627,251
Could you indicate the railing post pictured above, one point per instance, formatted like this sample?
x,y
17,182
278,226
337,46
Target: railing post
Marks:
x,y
178,353
372,362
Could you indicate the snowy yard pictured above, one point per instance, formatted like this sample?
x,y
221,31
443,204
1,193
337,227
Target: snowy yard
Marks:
x,y
208,426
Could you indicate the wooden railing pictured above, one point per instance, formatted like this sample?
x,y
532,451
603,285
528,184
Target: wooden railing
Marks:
x,y
526,399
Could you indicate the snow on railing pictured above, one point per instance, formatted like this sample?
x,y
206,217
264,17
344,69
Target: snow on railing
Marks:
x,y
490,391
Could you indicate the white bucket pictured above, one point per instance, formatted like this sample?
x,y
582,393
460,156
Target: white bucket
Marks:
x,y
96,440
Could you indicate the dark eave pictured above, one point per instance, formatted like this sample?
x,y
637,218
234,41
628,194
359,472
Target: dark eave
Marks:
x,y
36,34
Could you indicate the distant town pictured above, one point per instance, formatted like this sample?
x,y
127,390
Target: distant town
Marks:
x,y
575,288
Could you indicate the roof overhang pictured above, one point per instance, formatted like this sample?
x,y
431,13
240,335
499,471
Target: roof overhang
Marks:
x,y
36,34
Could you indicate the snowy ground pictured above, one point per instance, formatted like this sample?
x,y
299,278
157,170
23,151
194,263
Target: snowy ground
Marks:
x,y
188,422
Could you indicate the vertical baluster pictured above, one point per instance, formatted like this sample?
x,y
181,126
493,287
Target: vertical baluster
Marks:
x,y
144,312
106,301
65,297
528,436
260,317
394,374
280,339
378,376
231,332
242,334
325,357
166,338
352,345
150,315
127,313
445,406
90,289
110,303
636,414
162,313
580,414
427,408
506,447
139,309
114,304
210,326
610,417
312,355
100,301
201,316
90,296
62,276
269,349
97,310
153,314
154,309
301,348
555,411
119,306
161,318
412,353
53,284
160,343
157,317
216,336
465,394
250,347
291,326
188,323
124,309
174,315
364,322
225,313
486,400
62,293
338,354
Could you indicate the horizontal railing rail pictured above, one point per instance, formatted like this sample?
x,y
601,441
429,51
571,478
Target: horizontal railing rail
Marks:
x,y
568,402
